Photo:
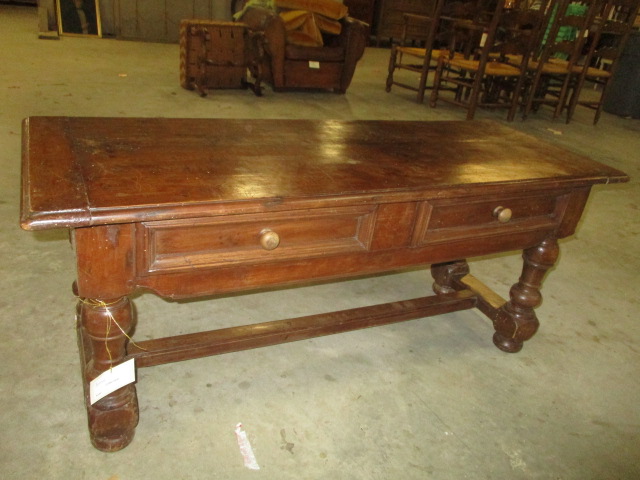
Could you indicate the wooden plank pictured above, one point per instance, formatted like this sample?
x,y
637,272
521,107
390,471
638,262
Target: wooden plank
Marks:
x,y
202,344
489,302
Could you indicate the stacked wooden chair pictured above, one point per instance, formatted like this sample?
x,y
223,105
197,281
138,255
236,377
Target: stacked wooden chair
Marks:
x,y
494,75
611,30
436,31
415,59
551,69
514,54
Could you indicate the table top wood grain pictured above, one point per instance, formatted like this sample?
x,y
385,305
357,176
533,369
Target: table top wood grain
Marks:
x,y
82,171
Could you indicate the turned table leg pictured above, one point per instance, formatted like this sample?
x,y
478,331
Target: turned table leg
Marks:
x,y
102,326
516,321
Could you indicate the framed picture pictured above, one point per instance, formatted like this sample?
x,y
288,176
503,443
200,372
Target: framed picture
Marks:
x,y
79,17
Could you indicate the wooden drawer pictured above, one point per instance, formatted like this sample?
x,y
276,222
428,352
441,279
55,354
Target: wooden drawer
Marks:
x,y
245,239
444,220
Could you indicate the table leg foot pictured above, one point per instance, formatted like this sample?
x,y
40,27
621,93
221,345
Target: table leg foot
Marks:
x,y
103,332
113,419
516,320
505,344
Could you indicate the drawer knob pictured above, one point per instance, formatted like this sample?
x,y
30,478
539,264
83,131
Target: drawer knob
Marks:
x,y
502,214
269,239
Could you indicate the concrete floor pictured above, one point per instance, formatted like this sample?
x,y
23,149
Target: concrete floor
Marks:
x,y
429,398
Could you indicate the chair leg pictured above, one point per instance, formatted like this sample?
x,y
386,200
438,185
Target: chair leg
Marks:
x,y
562,98
574,98
601,101
597,115
474,96
533,90
392,67
515,97
436,83
424,74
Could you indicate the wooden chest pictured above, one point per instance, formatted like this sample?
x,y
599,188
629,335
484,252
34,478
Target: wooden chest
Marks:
x,y
214,54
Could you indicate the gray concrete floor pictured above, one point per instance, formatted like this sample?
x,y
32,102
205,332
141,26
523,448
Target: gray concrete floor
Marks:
x,y
430,398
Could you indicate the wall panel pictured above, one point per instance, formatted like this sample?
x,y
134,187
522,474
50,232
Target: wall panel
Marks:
x,y
159,20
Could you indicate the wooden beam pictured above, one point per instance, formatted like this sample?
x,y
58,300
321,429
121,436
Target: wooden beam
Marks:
x,y
196,345
489,302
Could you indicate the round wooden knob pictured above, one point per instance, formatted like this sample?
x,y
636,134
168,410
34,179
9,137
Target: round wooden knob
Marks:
x,y
269,239
502,214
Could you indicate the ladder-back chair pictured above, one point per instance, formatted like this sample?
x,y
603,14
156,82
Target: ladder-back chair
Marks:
x,y
611,31
552,68
482,79
435,31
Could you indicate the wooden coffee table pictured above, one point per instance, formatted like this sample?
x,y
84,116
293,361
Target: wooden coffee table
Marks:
x,y
187,208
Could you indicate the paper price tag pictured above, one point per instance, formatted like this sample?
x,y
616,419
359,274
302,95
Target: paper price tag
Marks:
x,y
245,449
111,380
314,65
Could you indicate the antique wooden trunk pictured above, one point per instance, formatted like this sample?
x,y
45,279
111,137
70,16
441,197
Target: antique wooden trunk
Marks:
x,y
213,54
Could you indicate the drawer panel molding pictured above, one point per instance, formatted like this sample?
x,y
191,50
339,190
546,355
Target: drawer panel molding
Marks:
x,y
447,220
180,245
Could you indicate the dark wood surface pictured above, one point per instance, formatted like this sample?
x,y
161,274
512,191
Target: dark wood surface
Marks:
x,y
189,207
89,171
